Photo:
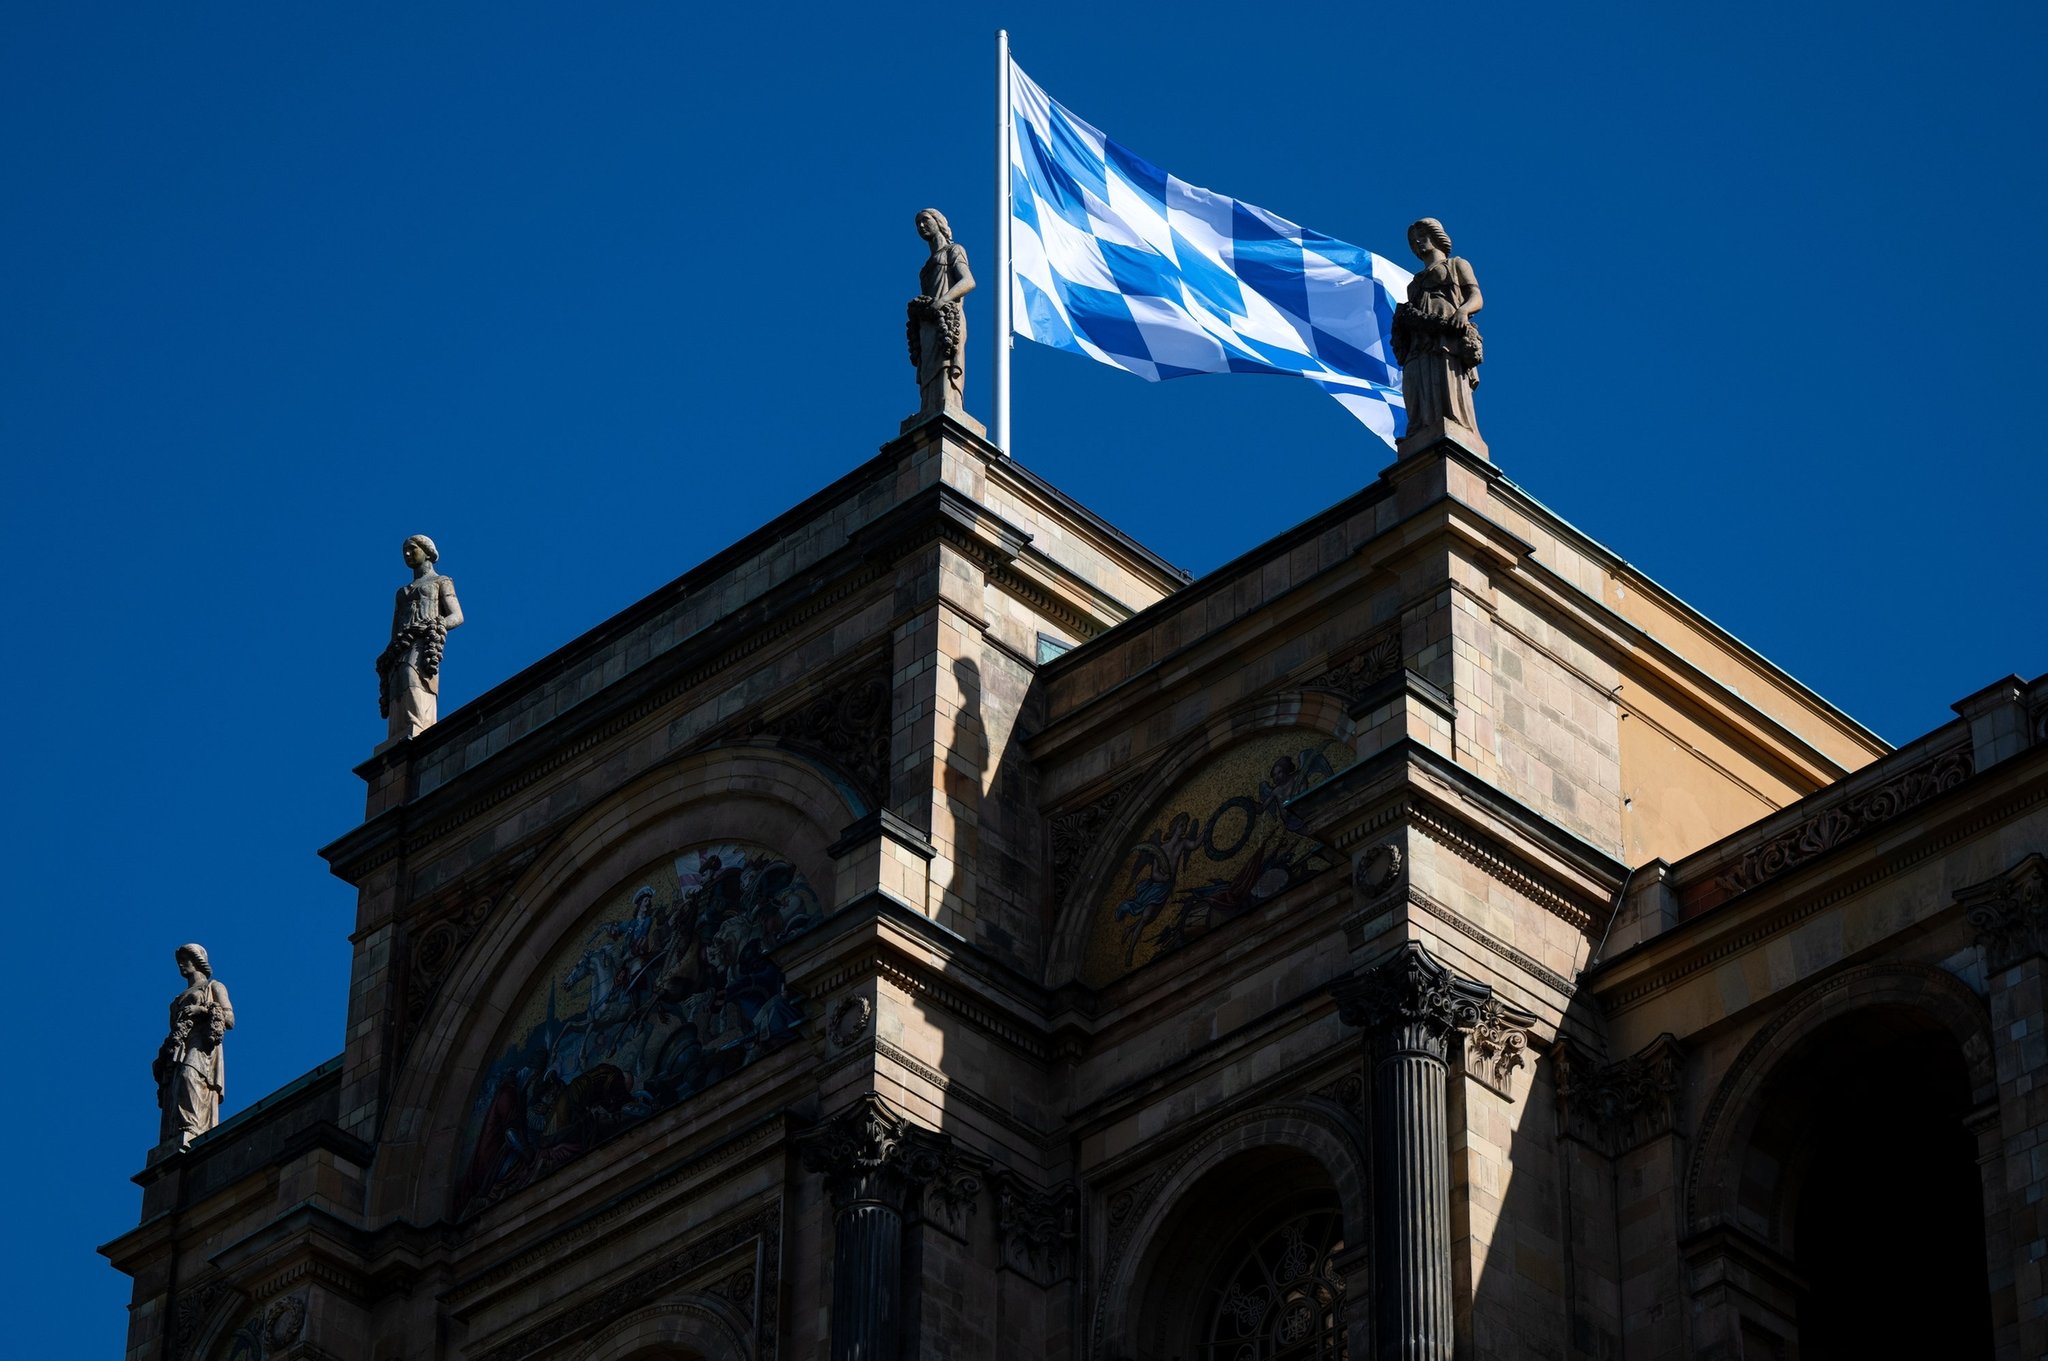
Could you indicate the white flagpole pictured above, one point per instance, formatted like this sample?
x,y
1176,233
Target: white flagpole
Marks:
x,y
1003,282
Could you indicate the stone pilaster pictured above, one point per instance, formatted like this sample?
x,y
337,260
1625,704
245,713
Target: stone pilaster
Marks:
x,y
2010,916
877,1165
1418,1016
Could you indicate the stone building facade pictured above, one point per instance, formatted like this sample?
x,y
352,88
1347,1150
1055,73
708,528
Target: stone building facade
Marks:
x,y
936,927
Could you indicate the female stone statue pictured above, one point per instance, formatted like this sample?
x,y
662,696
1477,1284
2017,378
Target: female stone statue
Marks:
x,y
938,323
190,1069
1435,342
409,671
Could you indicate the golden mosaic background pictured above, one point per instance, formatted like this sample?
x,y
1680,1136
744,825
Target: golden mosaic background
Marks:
x,y
1219,846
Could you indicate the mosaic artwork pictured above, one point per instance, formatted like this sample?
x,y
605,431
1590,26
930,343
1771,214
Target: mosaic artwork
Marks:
x,y
670,987
1220,845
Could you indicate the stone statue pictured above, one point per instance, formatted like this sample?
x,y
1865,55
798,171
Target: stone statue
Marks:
x,y
938,323
409,671
190,1069
1435,342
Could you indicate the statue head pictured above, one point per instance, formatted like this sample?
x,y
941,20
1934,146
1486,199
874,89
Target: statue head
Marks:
x,y
932,225
422,547
1428,232
195,955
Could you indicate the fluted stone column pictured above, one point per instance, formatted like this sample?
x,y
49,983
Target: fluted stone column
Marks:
x,y
1416,1013
876,1164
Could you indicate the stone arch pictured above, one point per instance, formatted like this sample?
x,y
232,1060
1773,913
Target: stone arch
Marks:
x,y
1317,710
1317,1130
697,1327
1713,1181
759,793
212,1320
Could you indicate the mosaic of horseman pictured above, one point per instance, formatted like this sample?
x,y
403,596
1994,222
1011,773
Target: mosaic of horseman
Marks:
x,y
664,995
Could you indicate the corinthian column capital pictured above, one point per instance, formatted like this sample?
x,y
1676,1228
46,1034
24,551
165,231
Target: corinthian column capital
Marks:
x,y
869,1152
1409,1000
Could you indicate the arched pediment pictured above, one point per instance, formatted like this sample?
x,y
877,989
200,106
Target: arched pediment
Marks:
x,y
665,988
1204,838
666,998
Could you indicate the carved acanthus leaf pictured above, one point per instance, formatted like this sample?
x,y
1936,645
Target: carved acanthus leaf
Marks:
x,y
1411,998
1037,1227
1840,822
848,722
1075,833
1614,1107
1373,661
2010,913
871,1151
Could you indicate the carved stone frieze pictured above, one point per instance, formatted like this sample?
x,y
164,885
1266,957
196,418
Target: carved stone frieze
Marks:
x,y
1365,666
849,723
1037,1228
1837,823
435,942
2010,913
1075,832
1615,1107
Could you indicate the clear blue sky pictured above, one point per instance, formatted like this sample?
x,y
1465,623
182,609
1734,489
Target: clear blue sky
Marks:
x,y
588,291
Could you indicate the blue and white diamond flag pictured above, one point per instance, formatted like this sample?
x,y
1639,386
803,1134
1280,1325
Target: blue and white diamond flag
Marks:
x,y
1115,259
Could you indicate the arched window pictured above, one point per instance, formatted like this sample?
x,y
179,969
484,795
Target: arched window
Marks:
x,y
1277,1294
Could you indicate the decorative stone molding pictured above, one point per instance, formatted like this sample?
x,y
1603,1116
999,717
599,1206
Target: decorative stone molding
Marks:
x,y
1075,832
1851,817
193,1307
1037,1228
848,723
1615,1107
284,1320
1495,1043
2010,913
850,1016
1347,1091
1379,870
1373,661
435,943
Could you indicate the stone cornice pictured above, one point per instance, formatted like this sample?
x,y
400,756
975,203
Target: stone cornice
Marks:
x,y
1520,500
2008,791
543,1243
1459,922
1409,784
1223,577
879,937
754,1232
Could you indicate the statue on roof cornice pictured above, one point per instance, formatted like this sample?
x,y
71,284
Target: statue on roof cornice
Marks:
x,y
1435,342
409,670
937,320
